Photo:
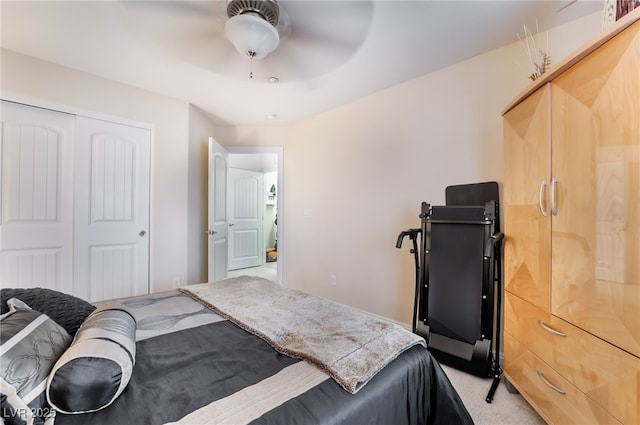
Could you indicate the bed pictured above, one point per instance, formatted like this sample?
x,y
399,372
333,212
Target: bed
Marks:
x,y
214,354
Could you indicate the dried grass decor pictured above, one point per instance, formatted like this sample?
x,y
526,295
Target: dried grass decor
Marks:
x,y
539,59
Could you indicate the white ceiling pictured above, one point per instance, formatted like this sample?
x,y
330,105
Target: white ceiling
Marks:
x,y
334,51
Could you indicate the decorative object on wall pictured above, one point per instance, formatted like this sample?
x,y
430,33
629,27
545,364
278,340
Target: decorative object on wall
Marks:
x,y
625,6
609,13
616,9
539,59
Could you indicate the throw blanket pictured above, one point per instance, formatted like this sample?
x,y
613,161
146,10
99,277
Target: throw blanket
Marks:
x,y
349,345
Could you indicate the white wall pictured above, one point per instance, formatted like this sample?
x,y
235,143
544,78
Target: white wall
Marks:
x,y
200,129
27,77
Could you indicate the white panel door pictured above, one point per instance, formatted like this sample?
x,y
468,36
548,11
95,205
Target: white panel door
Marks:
x,y
246,207
217,214
36,202
111,243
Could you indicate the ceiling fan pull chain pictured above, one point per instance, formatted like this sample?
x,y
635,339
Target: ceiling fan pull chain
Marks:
x,y
251,54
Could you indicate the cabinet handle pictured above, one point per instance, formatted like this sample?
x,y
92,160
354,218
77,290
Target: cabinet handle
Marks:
x,y
549,329
554,184
549,384
543,183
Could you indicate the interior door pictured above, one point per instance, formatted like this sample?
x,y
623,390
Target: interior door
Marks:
x,y
246,208
36,202
111,241
217,214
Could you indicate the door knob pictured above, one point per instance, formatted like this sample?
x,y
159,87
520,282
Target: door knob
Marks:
x,y
142,233
231,224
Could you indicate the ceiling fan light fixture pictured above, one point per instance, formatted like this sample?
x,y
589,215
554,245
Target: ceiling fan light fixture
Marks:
x,y
251,35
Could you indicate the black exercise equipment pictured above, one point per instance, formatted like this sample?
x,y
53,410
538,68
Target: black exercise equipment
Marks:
x,y
458,294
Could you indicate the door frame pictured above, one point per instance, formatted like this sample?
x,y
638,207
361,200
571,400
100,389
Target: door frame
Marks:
x,y
279,152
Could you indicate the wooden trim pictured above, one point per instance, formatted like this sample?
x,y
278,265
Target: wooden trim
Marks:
x,y
623,23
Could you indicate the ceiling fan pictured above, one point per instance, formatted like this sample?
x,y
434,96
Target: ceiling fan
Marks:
x,y
292,40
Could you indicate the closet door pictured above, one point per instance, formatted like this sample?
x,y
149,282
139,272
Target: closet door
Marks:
x,y
111,242
36,212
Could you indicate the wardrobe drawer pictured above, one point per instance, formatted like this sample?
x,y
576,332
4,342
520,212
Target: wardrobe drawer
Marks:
x,y
522,320
606,374
553,397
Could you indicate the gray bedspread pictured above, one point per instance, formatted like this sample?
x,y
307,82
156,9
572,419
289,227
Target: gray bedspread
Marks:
x,y
189,358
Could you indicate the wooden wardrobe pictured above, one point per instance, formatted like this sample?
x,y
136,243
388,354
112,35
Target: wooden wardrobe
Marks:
x,y
572,235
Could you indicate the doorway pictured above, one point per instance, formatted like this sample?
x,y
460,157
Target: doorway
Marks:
x,y
267,162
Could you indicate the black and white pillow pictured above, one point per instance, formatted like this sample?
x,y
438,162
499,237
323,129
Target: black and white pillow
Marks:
x,y
97,367
30,344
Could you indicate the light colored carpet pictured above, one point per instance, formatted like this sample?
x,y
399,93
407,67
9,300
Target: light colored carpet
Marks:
x,y
267,270
506,408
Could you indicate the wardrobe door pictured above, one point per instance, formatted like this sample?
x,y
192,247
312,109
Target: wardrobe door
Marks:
x,y
111,243
36,212
596,159
527,152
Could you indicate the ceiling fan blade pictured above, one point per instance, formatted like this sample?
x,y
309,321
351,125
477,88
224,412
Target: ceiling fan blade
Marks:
x,y
319,36
340,22
190,30
195,8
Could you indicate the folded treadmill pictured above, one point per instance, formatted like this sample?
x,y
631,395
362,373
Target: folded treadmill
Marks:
x,y
458,294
